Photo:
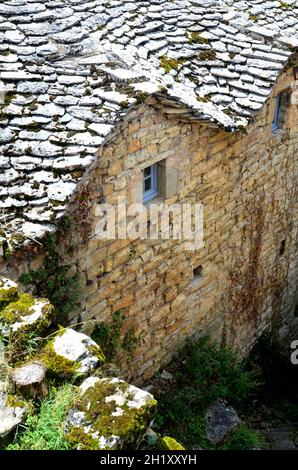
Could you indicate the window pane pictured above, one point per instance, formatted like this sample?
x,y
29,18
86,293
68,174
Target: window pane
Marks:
x,y
276,114
150,182
147,171
147,185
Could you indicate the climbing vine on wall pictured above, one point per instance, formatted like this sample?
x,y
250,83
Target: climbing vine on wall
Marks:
x,y
245,274
254,286
82,214
53,280
278,276
113,342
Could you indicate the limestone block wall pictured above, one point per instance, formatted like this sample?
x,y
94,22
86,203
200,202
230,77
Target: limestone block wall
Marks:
x,y
247,183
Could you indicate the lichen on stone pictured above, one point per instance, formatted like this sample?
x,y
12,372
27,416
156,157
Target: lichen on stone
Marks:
x,y
207,55
195,38
22,317
15,401
13,411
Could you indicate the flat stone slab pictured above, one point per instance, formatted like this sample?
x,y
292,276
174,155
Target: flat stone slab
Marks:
x,y
110,414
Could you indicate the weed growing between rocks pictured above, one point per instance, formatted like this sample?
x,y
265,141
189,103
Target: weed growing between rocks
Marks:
x,y
241,439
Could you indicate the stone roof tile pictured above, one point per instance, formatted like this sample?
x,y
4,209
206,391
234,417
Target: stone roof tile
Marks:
x,y
71,69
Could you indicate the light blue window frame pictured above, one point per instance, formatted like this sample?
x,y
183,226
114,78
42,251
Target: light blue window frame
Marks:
x,y
150,183
275,124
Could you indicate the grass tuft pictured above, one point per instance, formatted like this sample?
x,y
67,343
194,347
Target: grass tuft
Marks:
x,y
45,430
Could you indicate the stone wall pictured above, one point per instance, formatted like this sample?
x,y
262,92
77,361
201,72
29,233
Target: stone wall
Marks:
x,y
247,183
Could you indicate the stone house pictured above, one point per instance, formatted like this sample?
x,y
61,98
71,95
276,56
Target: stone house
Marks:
x,y
178,102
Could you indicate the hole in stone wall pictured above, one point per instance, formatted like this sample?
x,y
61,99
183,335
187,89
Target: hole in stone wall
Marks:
x,y
296,311
282,248
198,273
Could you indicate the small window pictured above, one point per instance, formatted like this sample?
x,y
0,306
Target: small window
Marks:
x,y
282,102
150,183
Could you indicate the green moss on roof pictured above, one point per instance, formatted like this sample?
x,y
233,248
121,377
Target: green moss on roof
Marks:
x,y
207,55
196,38
169,64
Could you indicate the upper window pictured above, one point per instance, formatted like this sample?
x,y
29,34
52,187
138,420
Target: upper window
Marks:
x,y
150,183
281,105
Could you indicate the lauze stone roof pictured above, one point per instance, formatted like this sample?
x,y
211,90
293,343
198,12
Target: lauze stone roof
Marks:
x,y
70,69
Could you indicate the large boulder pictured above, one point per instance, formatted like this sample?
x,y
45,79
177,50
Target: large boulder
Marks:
x,y
110,414
220,421
12,412
71,353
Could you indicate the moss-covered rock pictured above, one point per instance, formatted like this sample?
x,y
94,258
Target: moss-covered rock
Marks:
x,y
70,352
8,292
26,312
21,312
169,443
110,414
22,318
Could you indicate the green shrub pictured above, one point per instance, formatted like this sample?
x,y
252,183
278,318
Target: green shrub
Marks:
x,y
203,373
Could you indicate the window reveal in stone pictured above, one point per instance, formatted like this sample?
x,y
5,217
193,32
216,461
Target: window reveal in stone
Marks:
x,y
282,102
150,183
